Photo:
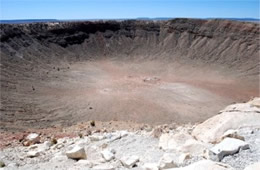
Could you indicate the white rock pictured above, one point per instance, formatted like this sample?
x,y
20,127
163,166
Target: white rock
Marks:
x,y
193,147
183,157
32,154
94,155
104,167
47,143
129,162
96,137
228,146
243,107
167,161
32,137
255,166
33,147
182,142
76,153
59,146
170,141
107,155
114,136
150,166
233,117
123,133
205,165
44,147
255,102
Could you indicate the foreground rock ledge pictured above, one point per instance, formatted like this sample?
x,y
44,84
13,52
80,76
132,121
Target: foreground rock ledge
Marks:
x,y
179,148
233,117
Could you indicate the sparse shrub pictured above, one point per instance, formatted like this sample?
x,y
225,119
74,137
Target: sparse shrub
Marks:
x,y
54,141
92,123
2,164
80,135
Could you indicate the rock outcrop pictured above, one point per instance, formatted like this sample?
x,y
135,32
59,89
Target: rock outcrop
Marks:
x,y
233,117
228,146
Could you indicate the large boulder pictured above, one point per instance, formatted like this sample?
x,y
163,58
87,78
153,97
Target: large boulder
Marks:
x,y
228,146
194,148
76,153
108,155
173,141
182,142
205,165
233,117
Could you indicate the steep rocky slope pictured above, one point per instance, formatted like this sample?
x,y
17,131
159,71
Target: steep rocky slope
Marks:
x,y
182,70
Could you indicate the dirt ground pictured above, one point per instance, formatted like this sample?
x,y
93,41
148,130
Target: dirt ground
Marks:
x,y
150,92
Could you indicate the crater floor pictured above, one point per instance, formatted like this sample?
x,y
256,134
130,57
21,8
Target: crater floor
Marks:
x,y
150,92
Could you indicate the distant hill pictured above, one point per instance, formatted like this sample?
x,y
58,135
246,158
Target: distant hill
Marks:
x,y
26,21
233,19
240,19
141,18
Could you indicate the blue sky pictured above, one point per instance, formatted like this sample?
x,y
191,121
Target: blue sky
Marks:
x,y
110,9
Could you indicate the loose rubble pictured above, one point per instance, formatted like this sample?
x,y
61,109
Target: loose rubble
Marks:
x,y
162,147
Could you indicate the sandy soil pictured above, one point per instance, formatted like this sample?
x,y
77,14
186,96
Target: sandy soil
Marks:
x,y
150,92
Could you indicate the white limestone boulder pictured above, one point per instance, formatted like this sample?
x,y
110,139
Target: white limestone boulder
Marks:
x,y
228,146
108,155
76,153
32,154
182,142
194,148
130,161
233,117
173,141
32,138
